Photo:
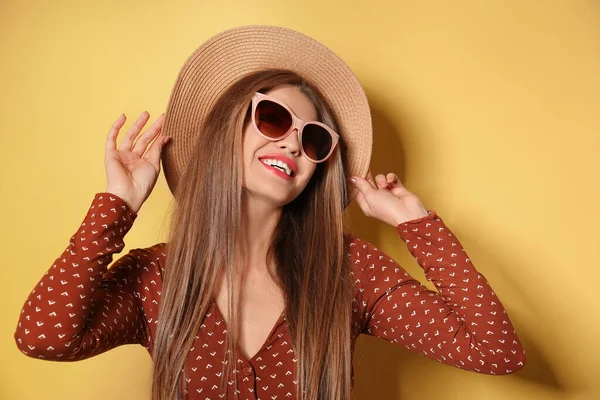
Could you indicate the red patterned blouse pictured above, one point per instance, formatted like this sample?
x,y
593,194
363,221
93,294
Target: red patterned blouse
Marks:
x,y
81,308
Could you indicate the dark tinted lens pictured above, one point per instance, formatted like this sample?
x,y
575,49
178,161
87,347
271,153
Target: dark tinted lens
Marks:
x,y
316,141
272,119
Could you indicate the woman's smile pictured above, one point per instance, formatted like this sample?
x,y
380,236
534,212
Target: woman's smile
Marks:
x,y
277,171
280,165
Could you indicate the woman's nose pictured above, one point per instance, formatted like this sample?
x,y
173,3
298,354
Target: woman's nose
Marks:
x,y
291,142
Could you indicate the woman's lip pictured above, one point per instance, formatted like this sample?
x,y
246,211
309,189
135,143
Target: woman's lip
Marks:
x,y
277,171
280,157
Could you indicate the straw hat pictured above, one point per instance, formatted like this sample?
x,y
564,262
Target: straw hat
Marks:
x,y
236,52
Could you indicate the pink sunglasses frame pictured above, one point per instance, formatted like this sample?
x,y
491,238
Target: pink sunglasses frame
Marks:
x,y
296,123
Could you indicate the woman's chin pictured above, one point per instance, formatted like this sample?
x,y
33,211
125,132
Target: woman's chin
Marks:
x,y
268,197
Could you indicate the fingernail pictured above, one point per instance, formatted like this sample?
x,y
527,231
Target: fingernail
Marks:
x,y
352,179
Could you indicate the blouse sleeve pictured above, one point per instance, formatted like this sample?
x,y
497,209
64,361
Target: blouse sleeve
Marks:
x,y
464,325
79,308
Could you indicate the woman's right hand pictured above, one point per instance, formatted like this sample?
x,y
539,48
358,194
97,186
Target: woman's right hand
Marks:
x,y
133,169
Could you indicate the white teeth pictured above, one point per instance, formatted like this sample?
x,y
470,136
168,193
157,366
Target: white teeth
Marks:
x,y
278,163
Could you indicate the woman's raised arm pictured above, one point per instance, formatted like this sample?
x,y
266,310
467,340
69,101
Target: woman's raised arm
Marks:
x,y
464,325
79,308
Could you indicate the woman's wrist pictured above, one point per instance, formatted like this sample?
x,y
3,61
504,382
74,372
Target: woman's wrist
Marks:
x,y
414,217
130,204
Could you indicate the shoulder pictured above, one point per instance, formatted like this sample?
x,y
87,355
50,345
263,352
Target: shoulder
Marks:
x,y
363,253
158,253
359,248
158,250
143,260
373,267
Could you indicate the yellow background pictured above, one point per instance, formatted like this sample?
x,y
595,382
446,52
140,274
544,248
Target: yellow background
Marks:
x,y
488,110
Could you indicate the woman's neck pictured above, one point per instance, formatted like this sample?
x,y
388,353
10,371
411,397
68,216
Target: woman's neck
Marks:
x,y
259,220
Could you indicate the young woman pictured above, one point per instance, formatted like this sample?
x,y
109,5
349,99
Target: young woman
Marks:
x,y
258,292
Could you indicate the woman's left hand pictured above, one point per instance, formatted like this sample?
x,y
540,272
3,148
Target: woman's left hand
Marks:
x,y
387,199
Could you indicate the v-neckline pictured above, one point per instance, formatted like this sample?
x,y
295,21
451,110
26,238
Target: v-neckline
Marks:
x,y
279,321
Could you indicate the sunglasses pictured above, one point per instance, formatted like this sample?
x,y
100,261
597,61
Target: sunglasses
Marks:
x,y
273,120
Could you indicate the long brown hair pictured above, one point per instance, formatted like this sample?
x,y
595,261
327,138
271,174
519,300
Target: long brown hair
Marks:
x,y
307,250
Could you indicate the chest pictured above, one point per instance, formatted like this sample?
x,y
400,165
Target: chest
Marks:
x,y
262,304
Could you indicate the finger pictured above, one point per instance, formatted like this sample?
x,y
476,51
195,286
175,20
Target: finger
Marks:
x,y
393,180
111,139
153,154
362,203
370,179
141,144
363,186
381,181
127,142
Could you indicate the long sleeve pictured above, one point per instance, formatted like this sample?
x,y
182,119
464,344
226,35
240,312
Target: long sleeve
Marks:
x,y
80,308
464,325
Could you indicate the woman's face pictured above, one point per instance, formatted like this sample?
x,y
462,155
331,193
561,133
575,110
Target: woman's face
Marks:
x,y
266,181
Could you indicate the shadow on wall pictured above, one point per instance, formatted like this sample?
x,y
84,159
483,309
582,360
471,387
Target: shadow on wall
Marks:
x,y
378,363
